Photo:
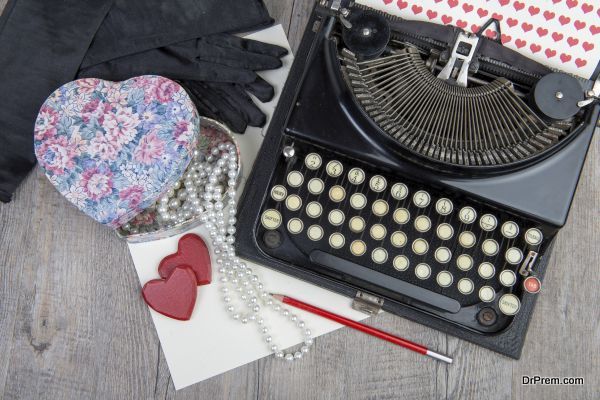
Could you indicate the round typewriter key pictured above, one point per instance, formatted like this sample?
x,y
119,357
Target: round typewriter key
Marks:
x,y
443,255
314,209
464,262
423,271
444,279
398,239
488,222
334,168
337,193
510,230
509,304
270,219
379,255
378,232
378,183
487,316
315,232
295,179
358,248
337,240
421,199
490,247
293,202
278,193
380,208
316,186
336,217
445,231
514,255
313,161
486,270
420,246
532,284
357,224
507,278
295,226
533,236
358,201
467,215
272,239
356,176
487,294
467,239
401,216
401,263
444,206
399,191
422,223
465,286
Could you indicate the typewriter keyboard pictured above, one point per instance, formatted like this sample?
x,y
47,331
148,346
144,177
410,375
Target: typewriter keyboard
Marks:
x,y
430,249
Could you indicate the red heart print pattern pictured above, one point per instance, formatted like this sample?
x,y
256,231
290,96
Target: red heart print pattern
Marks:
x,y
497,16
549,15
416,9
533,10
482,12
526,27
175,296
580,62
541,31
467,8
557,37
518,5
446,19
504,2
586,8
452,3
512,22
550,53
431,14
461,24
565,58
572,3
572,41
564,20
535,48
587,46
594,29
520,43
579,25
402,4
505,38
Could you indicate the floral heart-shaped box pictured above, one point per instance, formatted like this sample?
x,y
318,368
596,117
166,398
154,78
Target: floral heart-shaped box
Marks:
x,y
113,148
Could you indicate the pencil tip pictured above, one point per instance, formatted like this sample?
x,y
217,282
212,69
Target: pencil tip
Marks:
x,y
277,296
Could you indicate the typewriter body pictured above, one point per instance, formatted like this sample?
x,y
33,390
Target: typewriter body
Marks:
x,y
420,170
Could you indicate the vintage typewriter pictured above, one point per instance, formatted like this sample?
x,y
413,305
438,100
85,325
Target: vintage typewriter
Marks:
x,y
419,169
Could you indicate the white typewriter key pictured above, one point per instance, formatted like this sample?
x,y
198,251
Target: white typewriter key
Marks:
x,y
467,239
443,255
293,202
444,206
444,278
316,186
379,255
314,209
357,224
356,176
509,304
313,161
422,223
420,246
378,183
378,232
467,215
514,255
398,239
488,222
510,230
295,179
271,219
486,270
421,199
380,208
465,286
487,294
444,231
336,217
490,247
358,248
315,232
295,226
334,168
401,263
399,191
358,201
278,193
337,193
464,262
507,278
423,271
337,240
533,236
401,216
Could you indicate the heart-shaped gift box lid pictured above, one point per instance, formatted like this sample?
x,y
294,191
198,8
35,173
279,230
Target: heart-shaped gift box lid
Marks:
x,y
113,148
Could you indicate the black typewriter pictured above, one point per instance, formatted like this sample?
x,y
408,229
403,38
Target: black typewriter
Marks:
x,y
419,169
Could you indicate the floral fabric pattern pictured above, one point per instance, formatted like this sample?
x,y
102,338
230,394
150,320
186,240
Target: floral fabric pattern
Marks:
x,y
113,148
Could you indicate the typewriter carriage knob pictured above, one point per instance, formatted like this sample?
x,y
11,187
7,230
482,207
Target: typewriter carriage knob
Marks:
x,y
367,34
557,95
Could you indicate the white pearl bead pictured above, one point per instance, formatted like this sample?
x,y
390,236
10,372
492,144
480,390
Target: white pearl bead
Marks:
x,y
297,355
289,357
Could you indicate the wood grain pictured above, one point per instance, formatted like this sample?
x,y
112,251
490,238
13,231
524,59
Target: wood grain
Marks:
x,y
73,325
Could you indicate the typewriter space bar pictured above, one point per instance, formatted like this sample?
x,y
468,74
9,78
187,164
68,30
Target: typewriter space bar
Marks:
x,y
403,288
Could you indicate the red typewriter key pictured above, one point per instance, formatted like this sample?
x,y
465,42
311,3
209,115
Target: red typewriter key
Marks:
x,y
532,284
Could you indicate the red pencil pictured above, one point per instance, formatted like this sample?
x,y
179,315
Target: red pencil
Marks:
x,y
363,328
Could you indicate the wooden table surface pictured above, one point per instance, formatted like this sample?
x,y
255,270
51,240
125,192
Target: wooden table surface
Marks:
x,y
73,324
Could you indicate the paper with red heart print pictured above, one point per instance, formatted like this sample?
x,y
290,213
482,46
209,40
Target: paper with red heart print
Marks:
x,y
191,252
562,34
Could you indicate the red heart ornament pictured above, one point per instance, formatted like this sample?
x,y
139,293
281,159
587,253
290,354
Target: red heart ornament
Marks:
x,y
191,252
175,296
